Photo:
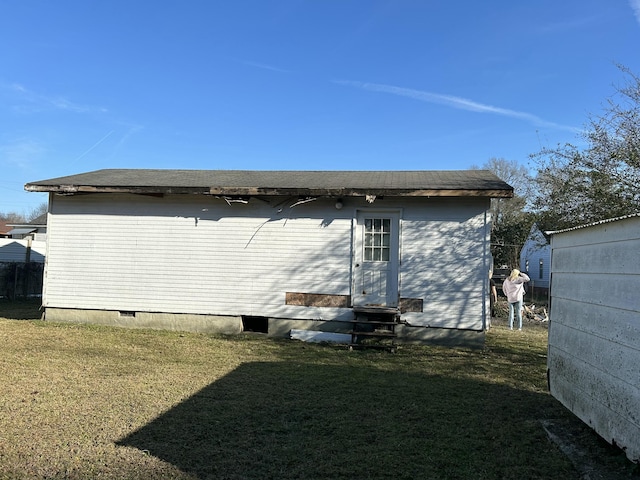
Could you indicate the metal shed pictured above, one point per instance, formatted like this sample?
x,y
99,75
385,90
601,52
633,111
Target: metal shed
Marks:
x,y
594,335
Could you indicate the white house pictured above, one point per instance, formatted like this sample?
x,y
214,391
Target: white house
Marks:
x,y
594,330
22,251
227,251
24,242
535,258
36,229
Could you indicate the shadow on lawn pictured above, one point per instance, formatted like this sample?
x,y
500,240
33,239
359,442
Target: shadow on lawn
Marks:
x,y
288,420
22,309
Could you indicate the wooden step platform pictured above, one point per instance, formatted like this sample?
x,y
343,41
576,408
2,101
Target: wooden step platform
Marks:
x,y
374,323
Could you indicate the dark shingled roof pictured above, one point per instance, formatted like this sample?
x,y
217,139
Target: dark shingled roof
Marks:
x,y
271,182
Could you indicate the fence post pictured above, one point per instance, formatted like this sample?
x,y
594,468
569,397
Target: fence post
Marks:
x,y
15,281
27,266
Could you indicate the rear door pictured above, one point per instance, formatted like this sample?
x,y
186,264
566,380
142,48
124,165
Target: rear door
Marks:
x,y
376,254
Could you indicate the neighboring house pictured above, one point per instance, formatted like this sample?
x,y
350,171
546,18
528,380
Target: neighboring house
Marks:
x,y
535,258
20,251
594,329
227,251
22,257
4,229
18,244
36,229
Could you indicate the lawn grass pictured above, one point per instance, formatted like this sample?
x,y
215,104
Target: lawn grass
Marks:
x,y
79,401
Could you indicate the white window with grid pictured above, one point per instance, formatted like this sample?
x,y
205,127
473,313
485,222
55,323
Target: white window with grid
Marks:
x,y
377,239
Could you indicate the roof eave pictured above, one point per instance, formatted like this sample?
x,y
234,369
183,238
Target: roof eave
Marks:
x,y
359,192
274,191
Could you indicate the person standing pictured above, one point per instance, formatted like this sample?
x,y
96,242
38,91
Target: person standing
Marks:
x,y
513,288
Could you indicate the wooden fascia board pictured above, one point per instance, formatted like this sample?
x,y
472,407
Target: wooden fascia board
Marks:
x,y
71,189
269,191
354,192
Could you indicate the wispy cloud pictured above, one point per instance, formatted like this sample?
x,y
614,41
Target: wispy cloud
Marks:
x,y
93,146
263,66
455,102
36,102
568,24
130,131
635,6
20,153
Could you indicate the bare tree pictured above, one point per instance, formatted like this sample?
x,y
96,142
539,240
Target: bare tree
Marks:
x,y
38,211
12,217
510,217
577,186
15,217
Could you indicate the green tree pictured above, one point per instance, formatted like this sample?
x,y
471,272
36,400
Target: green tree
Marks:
x,y
577,186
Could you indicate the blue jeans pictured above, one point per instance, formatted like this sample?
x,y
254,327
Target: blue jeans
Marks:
x,y
518,308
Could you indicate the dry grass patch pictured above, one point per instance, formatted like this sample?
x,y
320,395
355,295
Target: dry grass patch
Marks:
x,y
82,401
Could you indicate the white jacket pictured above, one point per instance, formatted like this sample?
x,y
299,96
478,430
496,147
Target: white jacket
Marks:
x,y
514,290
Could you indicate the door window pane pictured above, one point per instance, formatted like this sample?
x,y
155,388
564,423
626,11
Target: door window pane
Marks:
x,y
368,239
377,239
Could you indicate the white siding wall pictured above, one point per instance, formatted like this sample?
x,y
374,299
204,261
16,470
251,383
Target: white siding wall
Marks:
x,y
187,254
594,337
446,261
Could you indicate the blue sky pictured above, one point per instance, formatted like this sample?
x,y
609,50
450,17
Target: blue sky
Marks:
x,y
297,84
